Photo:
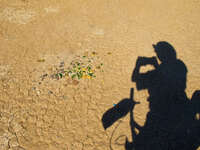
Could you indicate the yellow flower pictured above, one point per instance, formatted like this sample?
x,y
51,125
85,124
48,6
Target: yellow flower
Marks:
x,y
83,69
41,60
89,77
91,71
94,53
84,76
67,76
102,82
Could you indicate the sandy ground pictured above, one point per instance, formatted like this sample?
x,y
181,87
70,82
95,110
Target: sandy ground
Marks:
x,y
35,36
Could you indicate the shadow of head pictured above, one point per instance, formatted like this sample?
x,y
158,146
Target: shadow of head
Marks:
x,y
165,51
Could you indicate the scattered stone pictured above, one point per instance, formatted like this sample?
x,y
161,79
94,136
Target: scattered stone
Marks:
x,y
50,92
38,92
65,97
62,64
44,76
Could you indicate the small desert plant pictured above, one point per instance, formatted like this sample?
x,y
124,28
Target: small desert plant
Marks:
x,y
81,67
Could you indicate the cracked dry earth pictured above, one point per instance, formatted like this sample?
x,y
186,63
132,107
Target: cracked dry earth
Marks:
x,y
62,115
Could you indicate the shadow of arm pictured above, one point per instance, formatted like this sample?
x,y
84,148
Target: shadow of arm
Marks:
x,y
143,80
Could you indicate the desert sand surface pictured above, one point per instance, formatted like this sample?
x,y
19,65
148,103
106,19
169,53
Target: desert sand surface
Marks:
x,y
42,111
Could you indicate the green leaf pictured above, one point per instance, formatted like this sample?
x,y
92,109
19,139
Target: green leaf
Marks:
x,y
80,75
90,74
89,68
61,75
73,76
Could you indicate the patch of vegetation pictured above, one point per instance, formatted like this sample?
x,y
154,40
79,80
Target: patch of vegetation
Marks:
x,y
81,67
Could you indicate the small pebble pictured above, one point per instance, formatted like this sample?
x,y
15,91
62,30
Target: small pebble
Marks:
x,y
38,92
64,97
33,88
61,64
50,92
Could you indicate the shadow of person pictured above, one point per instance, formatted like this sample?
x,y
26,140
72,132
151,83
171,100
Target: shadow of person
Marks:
x,y
164,127
171,123
193,131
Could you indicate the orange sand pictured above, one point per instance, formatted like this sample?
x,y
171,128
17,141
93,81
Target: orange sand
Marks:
x,y
31,118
